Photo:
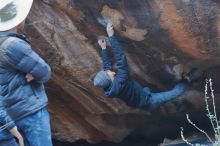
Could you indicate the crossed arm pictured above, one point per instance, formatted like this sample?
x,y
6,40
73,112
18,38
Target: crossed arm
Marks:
x,y
21,57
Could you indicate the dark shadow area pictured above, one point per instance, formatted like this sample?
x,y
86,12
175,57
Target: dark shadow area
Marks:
x,y
135,139
129,141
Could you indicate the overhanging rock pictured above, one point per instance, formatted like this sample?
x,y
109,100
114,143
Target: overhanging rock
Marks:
x,y
161,38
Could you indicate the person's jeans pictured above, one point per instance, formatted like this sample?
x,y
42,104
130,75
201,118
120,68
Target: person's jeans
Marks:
x,y
34,128
155,100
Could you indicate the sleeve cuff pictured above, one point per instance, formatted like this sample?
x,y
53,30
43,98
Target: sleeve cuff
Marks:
x,y
10,126
104,50
111,37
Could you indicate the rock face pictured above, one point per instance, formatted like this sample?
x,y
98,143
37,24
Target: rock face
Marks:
x,y
161,38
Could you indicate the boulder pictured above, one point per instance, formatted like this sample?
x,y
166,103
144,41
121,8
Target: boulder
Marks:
x,y
161,39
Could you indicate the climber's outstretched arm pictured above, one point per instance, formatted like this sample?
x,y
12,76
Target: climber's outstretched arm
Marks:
x,y
107,65
121,61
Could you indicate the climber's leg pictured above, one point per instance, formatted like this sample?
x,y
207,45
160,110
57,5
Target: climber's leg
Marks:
x,y
157,99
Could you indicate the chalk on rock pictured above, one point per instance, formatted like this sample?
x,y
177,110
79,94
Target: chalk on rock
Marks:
x,y
103,21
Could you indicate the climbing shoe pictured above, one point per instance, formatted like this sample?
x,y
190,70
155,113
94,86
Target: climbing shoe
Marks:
x,y
192,75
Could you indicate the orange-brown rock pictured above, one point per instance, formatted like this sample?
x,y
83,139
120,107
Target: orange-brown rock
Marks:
x,y
161,38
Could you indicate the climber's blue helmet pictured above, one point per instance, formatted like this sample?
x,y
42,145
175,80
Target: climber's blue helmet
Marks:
x,y
102,79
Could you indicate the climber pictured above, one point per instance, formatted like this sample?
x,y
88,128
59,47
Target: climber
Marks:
x,y
23,112
120,84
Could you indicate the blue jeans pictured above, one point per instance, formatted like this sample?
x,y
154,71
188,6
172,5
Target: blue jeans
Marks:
x,y
34,128
155,100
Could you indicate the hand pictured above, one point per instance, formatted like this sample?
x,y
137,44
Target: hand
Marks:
x,y
102,43
29,77
14,131
109,29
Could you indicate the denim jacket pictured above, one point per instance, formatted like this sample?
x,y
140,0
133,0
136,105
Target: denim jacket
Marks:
x,y
19,98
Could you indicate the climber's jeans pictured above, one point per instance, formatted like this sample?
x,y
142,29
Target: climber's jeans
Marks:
x,y
34,128
155,100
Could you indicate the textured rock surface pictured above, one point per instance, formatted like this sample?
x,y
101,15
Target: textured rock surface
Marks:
x,y
161,39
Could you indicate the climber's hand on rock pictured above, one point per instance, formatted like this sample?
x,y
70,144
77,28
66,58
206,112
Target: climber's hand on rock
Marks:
x,y
109,29
102,43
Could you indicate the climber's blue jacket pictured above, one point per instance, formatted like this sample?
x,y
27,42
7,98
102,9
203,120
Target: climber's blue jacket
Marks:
x,y
123,86
19,98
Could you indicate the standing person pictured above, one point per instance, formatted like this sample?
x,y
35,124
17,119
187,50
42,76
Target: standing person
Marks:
x,y
23,101
120,84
